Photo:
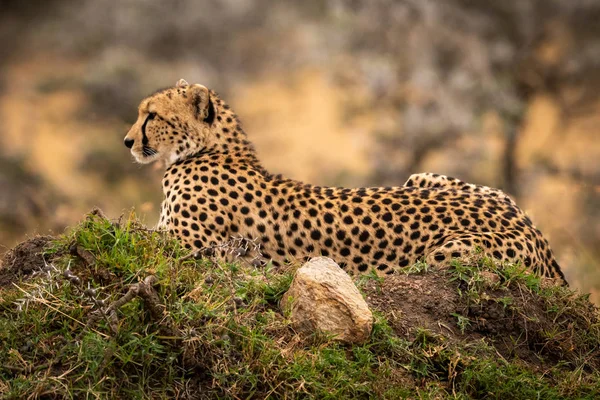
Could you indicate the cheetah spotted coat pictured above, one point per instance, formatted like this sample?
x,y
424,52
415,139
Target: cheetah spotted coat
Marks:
x,y
215,188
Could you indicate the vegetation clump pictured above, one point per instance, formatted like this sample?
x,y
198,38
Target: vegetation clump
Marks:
x,y
114,310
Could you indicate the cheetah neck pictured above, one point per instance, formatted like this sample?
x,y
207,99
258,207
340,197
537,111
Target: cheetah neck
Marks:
x,y
230,141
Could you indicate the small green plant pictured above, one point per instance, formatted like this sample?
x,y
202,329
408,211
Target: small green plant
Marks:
x,y
462,322
517,273
371,276
506,301
417,268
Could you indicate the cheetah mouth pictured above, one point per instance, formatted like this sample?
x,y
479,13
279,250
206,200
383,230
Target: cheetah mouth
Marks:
x,y
146,155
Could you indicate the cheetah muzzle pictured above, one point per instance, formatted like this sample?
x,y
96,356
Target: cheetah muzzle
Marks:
x,y
216,189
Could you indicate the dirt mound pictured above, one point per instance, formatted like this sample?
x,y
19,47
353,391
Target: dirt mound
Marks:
x,y
410,301
23,260
549,322
145,317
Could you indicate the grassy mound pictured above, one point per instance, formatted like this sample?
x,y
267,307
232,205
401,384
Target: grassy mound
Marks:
x,y
114,310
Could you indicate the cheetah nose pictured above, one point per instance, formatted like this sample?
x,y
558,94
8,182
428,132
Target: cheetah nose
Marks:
x,y
129,143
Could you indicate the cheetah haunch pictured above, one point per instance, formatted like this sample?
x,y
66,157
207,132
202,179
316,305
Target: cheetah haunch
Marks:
x,y
215,188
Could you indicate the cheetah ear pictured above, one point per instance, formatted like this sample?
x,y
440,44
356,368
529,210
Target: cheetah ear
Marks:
x,y
210,114
182,83
203,105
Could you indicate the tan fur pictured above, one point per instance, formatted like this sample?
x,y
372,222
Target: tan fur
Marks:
x,y
215,189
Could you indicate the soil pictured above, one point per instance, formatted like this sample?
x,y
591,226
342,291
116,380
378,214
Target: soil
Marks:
x,y
23,260
433,302
410,301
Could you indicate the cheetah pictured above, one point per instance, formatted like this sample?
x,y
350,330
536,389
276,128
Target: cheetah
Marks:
x,y
215,188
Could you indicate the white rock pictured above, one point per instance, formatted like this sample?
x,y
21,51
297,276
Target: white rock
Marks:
x,y
323,298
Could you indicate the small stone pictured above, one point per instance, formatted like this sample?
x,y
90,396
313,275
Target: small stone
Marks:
x,y
323,298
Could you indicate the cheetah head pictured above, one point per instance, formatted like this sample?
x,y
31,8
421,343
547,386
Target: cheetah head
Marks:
x,y
174,123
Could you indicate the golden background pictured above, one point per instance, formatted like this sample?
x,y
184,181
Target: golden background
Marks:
x,y
352,93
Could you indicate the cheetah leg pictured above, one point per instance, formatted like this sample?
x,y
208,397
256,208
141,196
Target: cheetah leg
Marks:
x,y
501,246
458,247
162,222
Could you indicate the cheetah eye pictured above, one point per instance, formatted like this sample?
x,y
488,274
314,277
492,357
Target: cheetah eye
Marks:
x,y
151,115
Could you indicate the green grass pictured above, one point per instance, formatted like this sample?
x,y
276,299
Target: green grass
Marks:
x,y
216,330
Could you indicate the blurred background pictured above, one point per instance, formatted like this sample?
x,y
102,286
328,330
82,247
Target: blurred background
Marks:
x,y
334,92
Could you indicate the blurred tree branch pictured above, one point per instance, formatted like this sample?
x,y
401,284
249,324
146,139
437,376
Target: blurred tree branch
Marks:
x,y
465,57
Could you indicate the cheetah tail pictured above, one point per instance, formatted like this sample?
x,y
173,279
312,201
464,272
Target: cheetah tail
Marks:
x,y
558,271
